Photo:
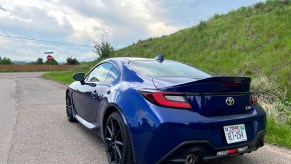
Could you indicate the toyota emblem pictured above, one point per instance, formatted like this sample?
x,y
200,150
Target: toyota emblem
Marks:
x,y
229,101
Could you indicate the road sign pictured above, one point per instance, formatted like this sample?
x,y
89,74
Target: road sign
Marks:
x,y
49,57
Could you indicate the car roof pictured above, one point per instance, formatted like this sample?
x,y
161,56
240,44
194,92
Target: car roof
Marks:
x,y
129,59
133,58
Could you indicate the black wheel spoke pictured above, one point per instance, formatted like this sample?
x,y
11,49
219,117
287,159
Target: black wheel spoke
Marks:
x,y
116,135
119,143
115,155
108,138
110,132
118,152
68,106
109,147
112,127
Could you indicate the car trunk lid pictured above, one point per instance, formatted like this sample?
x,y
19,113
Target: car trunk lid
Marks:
x,y
214,96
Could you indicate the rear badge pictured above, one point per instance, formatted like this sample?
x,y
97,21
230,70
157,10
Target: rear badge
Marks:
x,y
229,101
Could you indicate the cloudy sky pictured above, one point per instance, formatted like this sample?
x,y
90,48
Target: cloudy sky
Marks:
x,y
28,28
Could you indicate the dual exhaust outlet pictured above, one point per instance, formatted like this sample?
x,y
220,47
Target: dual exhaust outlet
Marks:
x,y
194,157
191,158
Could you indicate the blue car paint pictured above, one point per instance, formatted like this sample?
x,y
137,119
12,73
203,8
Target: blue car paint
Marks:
x,y
156,130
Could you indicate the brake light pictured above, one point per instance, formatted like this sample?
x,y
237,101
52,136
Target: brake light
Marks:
x,y
232,151
168,99
254,99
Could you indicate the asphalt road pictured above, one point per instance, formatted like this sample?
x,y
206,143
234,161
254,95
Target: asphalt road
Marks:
x,y
34,129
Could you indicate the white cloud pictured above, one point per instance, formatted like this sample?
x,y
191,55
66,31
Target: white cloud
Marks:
x,y
81,22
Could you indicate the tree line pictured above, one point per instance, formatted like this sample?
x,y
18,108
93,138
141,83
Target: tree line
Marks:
x,y
5,61
102,50
69,61
40,61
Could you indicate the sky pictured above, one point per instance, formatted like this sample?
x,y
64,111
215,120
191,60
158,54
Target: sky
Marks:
x,y
29,28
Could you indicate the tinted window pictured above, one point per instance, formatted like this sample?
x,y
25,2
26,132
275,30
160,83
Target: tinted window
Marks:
x,y
99,73
168,68
112,75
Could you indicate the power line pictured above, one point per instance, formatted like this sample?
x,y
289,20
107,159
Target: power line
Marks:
x,y
30,31
45,41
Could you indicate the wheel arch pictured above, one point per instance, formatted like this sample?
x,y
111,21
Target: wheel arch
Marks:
x,y
115,108
110,109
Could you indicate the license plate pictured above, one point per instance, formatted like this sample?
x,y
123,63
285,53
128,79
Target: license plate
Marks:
x,y
235,133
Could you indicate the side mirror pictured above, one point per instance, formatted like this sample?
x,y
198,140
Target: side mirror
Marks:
x,y
79,77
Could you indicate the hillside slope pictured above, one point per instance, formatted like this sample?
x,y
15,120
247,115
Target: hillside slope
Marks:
x,y
248,41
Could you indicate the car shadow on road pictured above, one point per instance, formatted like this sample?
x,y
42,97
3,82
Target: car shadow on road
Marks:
x,y
90,136
237,159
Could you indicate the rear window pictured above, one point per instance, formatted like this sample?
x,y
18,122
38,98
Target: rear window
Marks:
x,y
168,68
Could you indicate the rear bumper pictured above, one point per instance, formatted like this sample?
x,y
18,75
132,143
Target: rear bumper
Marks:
x,y
207,151
164,135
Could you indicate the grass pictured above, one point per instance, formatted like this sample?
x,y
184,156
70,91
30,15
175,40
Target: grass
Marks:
x,y
251,41
61,76
278,133
66,77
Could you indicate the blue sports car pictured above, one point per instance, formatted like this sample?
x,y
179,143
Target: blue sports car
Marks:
x,y
163,111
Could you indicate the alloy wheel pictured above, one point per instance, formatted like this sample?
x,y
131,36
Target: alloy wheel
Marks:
x,y
68,107
113,140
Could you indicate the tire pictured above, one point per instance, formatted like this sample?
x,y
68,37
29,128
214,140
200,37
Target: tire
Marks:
x,y
117,140
69,110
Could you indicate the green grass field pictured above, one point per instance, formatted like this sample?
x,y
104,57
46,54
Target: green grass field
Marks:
x,y
251,41
279,133
66,76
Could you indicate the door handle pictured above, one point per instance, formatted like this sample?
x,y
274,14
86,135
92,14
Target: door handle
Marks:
x,y
94,94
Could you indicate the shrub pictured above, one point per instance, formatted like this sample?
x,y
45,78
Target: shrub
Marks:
x,y
72,61
272,97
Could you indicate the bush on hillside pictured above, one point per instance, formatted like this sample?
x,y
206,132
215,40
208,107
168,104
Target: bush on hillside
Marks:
x,y
272,97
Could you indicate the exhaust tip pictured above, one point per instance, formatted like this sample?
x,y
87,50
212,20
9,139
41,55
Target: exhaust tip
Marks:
x,y
191,159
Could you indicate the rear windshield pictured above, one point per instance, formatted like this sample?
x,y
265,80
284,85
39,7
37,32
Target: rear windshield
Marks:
x,y
168,68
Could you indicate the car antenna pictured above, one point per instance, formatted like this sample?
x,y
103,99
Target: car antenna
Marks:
x,y
160,58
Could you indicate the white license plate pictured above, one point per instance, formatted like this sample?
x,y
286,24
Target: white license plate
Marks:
x,y
235,133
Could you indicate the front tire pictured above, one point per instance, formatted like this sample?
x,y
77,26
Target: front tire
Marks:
x,y
69,110
117,140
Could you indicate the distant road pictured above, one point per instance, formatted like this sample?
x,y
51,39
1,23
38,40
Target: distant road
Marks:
x,y
34,129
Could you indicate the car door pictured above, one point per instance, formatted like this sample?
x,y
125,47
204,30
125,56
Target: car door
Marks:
x,y
87,97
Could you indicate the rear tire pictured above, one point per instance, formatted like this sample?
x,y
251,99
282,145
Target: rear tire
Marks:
x,y
69,110
117,140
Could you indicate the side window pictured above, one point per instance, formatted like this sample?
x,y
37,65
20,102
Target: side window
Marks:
x,y
112,75
99,73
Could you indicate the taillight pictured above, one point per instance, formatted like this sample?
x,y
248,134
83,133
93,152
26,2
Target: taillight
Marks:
x,y
254,99
167,99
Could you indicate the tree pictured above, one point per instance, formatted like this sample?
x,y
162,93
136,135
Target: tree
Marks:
x,y
51,62
72,61
5,61
103,50
39,61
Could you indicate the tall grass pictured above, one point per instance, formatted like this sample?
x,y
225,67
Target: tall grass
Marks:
x,y
274,100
